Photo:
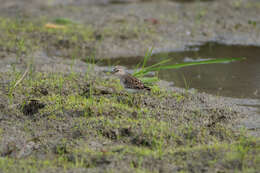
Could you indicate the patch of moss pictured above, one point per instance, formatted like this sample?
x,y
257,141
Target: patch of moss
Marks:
x,y
91,123
23,37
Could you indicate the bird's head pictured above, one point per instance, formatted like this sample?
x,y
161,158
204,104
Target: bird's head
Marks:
x,y
119,71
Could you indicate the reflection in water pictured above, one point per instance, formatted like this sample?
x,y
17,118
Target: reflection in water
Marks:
x,y
236,79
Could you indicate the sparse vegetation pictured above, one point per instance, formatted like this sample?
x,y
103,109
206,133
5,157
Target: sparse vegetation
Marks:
x,y
66,120
97,125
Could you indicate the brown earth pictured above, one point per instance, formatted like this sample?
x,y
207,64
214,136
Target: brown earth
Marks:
x,y
70,116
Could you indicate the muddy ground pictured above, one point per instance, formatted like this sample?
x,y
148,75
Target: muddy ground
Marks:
x,y
67,115
127,29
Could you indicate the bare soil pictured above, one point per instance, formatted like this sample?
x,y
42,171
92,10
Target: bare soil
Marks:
x,y
71,116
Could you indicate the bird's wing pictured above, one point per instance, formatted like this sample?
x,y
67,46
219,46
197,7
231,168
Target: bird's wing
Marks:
x,y
134,83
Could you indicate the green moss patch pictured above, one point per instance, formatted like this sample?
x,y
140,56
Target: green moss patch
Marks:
x,y
69,122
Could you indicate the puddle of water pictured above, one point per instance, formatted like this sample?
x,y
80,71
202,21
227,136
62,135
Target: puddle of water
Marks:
x,y
237,79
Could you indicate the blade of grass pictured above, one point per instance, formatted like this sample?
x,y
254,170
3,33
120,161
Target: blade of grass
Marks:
x,y
62,21
137,67
149,80
143,71
176,66
148,54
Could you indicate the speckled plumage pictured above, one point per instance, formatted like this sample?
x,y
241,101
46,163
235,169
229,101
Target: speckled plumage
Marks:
x,y
129,81
132,82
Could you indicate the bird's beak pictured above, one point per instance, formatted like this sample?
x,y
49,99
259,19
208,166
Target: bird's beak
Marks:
x,y
113,72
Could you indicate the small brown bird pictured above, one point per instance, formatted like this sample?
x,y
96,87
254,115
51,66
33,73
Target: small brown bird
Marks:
x,y
129,82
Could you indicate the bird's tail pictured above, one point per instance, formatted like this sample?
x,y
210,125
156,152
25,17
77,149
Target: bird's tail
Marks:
x,y
147,88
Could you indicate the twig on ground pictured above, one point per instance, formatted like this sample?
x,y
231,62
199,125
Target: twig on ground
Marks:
x,y
23,76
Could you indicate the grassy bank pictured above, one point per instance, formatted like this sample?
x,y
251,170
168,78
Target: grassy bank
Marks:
x,y
78,122
57,122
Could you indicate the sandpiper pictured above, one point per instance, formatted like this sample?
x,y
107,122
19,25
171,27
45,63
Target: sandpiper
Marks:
x,y
128,81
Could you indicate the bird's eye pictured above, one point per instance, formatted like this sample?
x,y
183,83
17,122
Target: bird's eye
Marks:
x,y
115,70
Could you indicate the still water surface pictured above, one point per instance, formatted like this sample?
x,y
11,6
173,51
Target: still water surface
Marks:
x,y
236,79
